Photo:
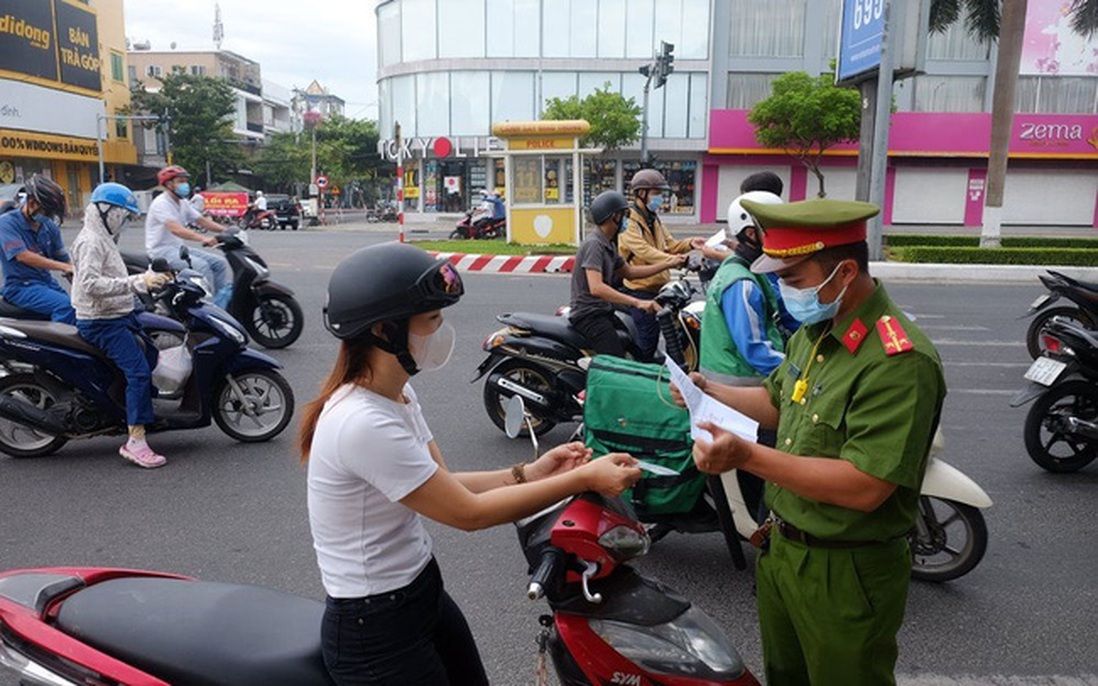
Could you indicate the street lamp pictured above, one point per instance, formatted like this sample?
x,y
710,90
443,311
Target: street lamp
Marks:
x,y
99,135
312,120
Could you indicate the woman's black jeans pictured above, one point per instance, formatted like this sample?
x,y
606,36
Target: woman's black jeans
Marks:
x,y
411,636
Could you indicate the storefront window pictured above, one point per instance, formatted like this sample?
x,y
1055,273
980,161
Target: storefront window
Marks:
x,y
461,28
411,184
454,192
431,182
681,176
528,188
599,175
478,179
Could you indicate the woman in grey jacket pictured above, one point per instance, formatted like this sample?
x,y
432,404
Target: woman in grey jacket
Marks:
x,y
102,295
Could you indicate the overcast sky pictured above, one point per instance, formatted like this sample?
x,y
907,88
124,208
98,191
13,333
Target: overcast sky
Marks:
x,y
294,41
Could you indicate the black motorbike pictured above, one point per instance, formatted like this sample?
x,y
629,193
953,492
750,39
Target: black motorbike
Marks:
x,y
268,310
544,359
1084,311
1061,429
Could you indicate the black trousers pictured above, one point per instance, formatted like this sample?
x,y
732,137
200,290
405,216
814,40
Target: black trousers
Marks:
x,y
409,637
600,329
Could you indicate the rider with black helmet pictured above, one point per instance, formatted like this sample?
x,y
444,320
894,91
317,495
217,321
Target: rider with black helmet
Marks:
x,y
33,248
374,472
598,272
645,241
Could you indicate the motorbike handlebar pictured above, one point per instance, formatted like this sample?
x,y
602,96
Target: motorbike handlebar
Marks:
x,y
548,567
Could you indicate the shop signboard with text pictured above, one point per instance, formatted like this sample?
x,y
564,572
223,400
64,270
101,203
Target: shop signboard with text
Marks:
x,y
442,147
50,42
224,204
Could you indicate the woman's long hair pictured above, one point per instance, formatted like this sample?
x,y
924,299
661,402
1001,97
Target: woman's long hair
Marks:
x,y
351,366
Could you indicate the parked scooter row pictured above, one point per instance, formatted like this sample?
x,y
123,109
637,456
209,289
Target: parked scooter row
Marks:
x,y
268,310
1084,308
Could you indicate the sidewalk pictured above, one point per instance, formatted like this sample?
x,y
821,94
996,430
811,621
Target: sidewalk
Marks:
x,y
889,271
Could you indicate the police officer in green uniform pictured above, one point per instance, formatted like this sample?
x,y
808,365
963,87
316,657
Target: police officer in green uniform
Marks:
x,y
856,404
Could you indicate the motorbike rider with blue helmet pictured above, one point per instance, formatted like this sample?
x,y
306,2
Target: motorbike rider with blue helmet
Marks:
x,y
375,471
32,248
102,294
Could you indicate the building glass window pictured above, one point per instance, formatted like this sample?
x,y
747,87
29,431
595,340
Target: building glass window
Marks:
x,y
558,180
583,37
121,128
461,28
403,95
417,30
612,28
512,96
677,96
599,176
178,69
555,28
770,28
589,82
955,43
198,70
669,23
1066,94
746,90
694,42
388,30
699,106
511,26
949,93
557,84
133,74
432,104
470,113
528,189
118,73
385,108
639,23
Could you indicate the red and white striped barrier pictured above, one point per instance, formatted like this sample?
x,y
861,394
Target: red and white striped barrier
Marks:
x,y
510,264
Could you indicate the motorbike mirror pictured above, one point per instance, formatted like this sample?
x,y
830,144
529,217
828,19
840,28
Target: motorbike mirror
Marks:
x,y
514,414
160,265
185,254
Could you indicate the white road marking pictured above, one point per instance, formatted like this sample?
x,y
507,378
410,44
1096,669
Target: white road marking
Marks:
x,y
985,344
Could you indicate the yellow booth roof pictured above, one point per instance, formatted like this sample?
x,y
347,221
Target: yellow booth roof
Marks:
x,y
566,127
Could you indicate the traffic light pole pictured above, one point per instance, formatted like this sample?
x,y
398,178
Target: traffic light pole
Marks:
x,y
658,70
644,122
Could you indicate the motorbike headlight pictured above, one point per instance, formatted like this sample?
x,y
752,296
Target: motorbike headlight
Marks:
x,y
624,542
230,329
690,645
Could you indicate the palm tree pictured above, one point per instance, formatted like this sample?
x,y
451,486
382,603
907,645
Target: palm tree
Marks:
x,y
1003,21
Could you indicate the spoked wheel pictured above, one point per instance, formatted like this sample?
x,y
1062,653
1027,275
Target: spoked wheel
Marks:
x,y
1034,344
1050,441
948,541
530,376
254,406
276,321
19,440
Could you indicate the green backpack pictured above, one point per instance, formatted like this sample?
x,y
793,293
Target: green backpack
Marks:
x,y
628,409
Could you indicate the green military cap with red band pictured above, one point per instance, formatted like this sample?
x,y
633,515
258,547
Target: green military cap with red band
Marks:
x,y
794,231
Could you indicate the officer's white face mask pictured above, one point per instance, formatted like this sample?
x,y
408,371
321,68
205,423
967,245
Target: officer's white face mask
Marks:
x,y
432,351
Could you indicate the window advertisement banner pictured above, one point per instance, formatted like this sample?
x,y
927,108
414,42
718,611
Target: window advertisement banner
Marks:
x,y
54,40
223,204
37,108
1051,46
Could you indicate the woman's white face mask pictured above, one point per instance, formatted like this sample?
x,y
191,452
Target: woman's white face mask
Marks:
x,y
432,351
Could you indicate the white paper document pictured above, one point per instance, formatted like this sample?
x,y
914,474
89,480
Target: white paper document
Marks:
x,y
704,408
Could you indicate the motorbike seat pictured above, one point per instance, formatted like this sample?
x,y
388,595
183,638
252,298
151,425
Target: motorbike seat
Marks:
x,y
556,328
200,632
136,262
57,333
16,312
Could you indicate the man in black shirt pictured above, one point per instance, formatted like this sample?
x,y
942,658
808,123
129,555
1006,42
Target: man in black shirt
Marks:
x,y
599,269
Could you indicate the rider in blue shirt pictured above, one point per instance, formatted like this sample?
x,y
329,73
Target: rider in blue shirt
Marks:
x,y
32,248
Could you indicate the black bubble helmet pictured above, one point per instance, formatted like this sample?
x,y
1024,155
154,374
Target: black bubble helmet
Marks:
x,y
387,282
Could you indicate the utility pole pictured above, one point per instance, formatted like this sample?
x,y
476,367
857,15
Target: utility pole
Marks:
x,y
100,134
400,180
658,70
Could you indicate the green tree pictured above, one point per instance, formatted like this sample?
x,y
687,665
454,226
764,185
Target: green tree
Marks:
x,y
805,115
199,123
986,22
614,118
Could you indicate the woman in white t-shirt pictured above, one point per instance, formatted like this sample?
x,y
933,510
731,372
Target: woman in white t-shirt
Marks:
x,y
375,471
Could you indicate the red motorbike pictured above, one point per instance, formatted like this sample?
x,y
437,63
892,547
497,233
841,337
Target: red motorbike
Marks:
x,y
266,220
610,625
481,227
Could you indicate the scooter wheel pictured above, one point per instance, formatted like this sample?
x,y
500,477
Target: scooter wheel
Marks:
x,y
255,407
456,235
948,541
1048,441
275,322
525,374
19,440
1034,344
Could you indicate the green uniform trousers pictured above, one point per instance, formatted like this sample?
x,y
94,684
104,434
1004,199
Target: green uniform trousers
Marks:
x,y
830,616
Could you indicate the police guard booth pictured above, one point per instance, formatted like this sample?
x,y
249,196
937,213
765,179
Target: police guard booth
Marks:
x,y
544,167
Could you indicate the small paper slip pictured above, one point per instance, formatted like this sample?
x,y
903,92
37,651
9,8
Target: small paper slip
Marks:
x,y
658,470
704,408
